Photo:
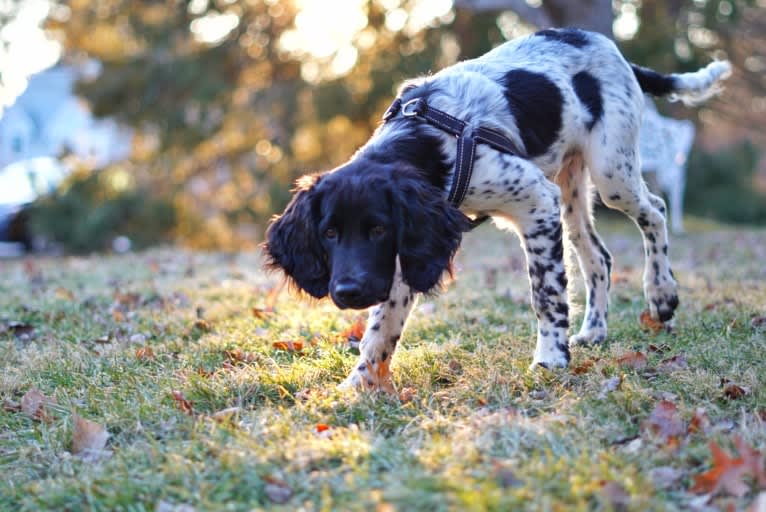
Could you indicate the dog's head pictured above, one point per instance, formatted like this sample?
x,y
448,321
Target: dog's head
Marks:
x,y
342,231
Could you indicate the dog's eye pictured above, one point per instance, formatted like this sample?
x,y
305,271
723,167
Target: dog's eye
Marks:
x,y
378,231
330,233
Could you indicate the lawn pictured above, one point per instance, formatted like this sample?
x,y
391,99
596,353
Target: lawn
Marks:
x,y
209,404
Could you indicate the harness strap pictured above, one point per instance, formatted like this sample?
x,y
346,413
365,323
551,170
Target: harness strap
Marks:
x,y
467,139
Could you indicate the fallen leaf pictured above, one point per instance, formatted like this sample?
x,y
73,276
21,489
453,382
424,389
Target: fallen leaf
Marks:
x,y
700,422
88,437
182,403
144,353
665,477
407,394
277,490
649,323
677,362
635,360
616,495
321,427
726,475
240,356
262,313
734,391
355,332
33,405
289,346
585,366
20,329
664,422
758,321
202,325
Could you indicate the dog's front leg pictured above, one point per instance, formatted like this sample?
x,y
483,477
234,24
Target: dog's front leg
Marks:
x,y
384,328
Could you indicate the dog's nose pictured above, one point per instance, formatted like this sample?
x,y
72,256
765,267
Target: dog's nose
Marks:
x,y
348,292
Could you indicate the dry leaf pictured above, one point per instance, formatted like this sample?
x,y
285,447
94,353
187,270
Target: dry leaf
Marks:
x,y
321,427
700,422
407,394
289,346
677,362
202,325
277,490
20,329
635,360
182,403
33,405
726,475
758,321
88,437
355,332
262,313
734,391
649,323
665,423
240,356
585,366
144,353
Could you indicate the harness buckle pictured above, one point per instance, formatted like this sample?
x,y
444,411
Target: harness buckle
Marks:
x,y
413,107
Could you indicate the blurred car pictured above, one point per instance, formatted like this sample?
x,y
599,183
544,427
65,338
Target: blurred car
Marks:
x,y
20,184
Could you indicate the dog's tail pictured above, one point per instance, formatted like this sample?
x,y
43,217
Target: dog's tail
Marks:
x,y
691,88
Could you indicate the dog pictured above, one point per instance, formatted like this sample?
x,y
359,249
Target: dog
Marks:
x,y
520,135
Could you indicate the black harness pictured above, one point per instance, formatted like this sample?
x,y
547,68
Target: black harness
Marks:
x,y
467,138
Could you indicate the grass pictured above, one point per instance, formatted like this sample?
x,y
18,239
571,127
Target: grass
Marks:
x,y
480,431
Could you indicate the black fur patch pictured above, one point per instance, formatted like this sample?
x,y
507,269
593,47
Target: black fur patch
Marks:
x,y
571,36
588,89
653,82
536,104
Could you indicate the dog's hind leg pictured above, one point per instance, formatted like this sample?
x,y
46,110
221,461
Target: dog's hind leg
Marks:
x,y
533,207
592,255
384,328
616,172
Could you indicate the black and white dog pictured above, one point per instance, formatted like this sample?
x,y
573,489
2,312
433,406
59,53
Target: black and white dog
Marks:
x,y
380,228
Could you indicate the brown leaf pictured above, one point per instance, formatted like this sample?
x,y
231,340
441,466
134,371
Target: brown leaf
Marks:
x,y
677,362
262,313
240,356
585,366
649,323
20,329
289,346
635,360
182,403
700,422
277,490
33,405
202,325
734,391
726,475
87,436
758,321
144,353
355,332
665,423
408,394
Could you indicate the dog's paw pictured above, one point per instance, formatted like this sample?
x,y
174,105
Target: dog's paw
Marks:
x,y
663,307
368,376
551,356
594,336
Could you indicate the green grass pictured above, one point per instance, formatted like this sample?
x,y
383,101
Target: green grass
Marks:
x,y
482,432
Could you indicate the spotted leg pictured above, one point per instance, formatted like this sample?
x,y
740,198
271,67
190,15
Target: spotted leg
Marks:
x,y
592,255
384,328
626,191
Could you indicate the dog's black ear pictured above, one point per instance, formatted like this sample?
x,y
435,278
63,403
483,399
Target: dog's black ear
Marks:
x,y
292,242
429,231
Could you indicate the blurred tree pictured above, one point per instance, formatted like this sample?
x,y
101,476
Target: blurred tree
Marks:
x,y
233,99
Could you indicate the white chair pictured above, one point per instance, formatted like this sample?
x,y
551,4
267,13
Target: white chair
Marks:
x,y
665,144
